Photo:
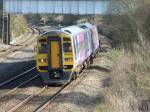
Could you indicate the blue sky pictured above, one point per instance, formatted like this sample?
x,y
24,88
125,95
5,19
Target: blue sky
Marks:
x,y
67,7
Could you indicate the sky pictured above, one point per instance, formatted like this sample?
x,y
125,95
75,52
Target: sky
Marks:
x,y
58,7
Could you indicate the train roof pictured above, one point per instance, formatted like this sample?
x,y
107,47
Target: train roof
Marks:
x,y
77,28
71,30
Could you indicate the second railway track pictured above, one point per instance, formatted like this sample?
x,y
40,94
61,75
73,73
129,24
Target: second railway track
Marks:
x,y
20,93
13,84
27,41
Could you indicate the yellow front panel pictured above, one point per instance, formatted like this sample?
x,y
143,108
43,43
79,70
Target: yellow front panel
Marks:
x,y
55,54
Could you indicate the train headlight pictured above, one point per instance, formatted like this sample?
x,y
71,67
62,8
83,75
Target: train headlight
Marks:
x,y
42,60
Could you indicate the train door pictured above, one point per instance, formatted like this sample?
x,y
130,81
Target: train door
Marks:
x,y
54,53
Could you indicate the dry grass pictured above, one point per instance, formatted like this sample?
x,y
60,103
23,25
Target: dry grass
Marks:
x,y
18,25
130,89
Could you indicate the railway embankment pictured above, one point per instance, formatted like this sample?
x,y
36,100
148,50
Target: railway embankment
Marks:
x,y
130,89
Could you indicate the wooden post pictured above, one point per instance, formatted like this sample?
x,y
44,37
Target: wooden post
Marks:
x,y
6,33
4,25
1,21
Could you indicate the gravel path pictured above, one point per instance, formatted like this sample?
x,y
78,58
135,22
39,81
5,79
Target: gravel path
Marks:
x,y
85,95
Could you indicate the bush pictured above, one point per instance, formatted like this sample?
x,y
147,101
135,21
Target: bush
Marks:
x,y
130,90
18,25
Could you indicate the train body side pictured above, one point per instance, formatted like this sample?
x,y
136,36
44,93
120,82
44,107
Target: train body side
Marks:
x,y
86,44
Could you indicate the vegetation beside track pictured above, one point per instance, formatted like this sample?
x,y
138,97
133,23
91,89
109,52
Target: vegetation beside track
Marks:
x,y
18,25
130,76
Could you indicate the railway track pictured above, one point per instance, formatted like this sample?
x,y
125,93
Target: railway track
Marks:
x,y
19,93
68,86
11,86
25,42
16,77
16,88
33,101
14,83
43,97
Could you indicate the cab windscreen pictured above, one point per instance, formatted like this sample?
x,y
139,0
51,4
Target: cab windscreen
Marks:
x,y
42,46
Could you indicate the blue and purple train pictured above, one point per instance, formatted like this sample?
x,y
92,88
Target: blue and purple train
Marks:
x,y
63,53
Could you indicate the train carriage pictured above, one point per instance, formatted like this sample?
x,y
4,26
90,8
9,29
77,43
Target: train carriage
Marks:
x,y
62,54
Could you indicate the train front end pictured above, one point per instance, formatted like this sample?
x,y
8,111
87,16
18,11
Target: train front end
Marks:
x,y
54,57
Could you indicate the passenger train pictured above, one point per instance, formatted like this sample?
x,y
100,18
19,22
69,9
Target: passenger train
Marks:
x,y
62,54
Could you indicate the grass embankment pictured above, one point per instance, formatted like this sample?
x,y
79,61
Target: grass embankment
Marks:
x,y
130,76
130,84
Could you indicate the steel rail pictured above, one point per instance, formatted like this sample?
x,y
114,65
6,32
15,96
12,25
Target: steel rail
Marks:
x,y
8,51
35,94
9,92
14,78
26,100
46,103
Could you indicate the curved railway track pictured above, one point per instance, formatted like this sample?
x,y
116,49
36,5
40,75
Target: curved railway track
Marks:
x,y
43,97
25,42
